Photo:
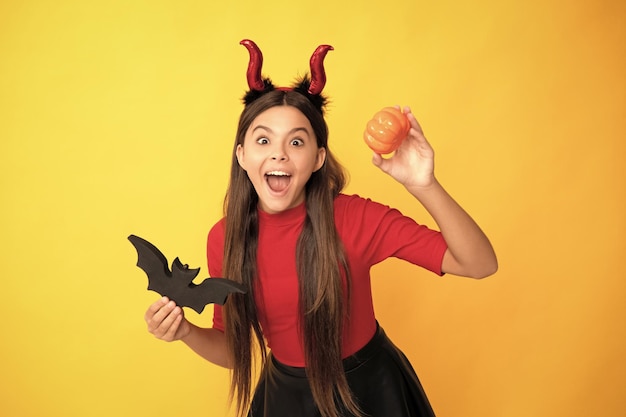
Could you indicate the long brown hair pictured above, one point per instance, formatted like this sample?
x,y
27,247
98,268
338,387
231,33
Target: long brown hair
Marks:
x,y
321,263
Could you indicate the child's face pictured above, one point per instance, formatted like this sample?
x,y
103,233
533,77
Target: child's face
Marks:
x,y
279,154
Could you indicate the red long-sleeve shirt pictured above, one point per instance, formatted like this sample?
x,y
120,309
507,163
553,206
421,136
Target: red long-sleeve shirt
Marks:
x,y
370,232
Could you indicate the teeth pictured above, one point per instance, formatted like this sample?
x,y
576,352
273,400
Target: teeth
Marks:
x,y
278,173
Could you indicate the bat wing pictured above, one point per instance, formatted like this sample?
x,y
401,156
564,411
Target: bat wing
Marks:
x,y
212,290
153,263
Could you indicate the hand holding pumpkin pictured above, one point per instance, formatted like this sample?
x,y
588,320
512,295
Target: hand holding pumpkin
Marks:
x,y
386,130
412,162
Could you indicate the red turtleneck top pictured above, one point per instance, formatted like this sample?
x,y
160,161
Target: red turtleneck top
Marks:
x,y
370,232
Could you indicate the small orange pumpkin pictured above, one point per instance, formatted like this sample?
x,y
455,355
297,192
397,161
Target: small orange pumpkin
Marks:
x,y
386,130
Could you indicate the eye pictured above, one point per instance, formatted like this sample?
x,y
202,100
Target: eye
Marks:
x,y
297,142
263,141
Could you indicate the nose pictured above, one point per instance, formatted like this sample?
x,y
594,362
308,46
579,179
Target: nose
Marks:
x,y
279,154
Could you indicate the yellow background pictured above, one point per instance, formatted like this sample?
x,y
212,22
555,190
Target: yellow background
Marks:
x,y
117,117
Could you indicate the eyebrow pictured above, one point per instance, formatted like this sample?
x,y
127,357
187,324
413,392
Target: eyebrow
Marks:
x,y
294,130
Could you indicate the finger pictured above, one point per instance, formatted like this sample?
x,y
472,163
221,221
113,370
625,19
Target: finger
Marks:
x,y
380,162
413,121
154,307
156,311
167,328
424,146
170,335
161,321
161,314
377,159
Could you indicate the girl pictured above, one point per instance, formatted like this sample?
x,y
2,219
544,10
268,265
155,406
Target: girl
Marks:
x,y
304,251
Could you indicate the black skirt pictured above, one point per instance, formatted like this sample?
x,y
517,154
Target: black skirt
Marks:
x,y
380,376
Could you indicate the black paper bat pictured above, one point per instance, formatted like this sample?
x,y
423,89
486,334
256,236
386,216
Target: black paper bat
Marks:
x,y
177,285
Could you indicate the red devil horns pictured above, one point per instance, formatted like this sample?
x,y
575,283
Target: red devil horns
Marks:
x,y
318,75
255,82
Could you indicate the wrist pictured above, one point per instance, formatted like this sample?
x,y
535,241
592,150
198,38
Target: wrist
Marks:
x,y
423,188
186,331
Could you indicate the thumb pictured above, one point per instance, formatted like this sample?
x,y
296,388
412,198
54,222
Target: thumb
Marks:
x,y
381,163
377,160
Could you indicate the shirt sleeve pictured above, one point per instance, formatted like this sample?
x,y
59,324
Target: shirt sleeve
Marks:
x,y
215,258
378,232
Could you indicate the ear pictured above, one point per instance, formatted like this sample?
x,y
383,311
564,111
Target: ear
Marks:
x,y
321,158
240,156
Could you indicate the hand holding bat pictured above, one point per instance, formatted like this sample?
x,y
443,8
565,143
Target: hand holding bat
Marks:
x,y
166,321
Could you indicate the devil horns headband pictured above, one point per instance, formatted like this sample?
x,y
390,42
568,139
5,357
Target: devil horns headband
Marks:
x,y
311,88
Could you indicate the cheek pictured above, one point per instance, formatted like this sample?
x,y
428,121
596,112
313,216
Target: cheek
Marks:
x,y
248,161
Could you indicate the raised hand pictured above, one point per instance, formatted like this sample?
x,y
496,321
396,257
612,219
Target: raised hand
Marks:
x,y
412,164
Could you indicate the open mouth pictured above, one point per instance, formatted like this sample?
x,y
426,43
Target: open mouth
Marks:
x,y
278,181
